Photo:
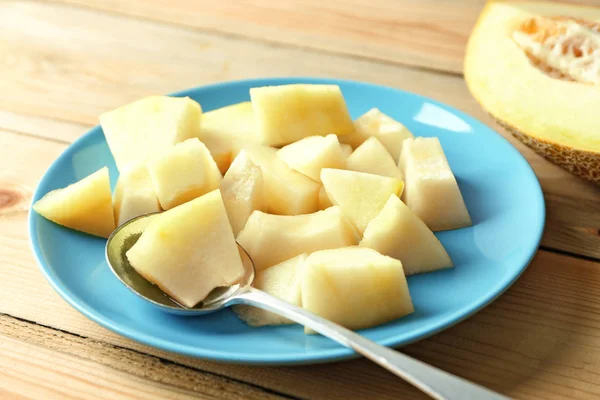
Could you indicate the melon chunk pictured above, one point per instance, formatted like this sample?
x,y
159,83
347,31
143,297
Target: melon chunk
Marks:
x,y
85,205
397,232
431,190
220,127
134,194
535,67
355,287
373,158
390,132
270,239
346,150
360,196
147,127
282,281
287,113
183,172
243,191
324,201
288,192
311,154
189,250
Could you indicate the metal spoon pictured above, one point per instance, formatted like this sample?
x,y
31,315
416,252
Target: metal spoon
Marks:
x,y
433,381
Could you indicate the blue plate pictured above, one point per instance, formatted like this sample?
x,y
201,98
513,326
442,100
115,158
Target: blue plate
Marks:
x,y
501,192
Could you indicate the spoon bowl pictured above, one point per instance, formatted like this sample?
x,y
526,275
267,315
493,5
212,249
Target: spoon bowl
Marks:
x,y
123,239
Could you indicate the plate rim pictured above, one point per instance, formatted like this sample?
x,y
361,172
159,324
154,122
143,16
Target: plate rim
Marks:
x,y
320,356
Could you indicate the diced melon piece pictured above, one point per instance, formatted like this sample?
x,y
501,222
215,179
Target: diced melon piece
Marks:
x,y
134,194
287,113
243,191
390,132
397,232
146,128
189,250
183,172
220,150
288,192
346,150
324,201
282,281
355,287
313,153
223,125
270,239
85,205
360,196
431,189
373,158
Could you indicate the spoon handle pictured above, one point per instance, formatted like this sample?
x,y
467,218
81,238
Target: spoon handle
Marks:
x,y
433,381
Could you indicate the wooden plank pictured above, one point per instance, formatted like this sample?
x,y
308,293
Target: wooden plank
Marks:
x,y
429,33
43,363
539,340
162,59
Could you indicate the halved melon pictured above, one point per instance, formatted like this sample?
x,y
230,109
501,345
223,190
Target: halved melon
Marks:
x,y
535,67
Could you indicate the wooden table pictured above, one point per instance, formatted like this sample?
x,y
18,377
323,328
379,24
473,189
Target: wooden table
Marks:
x,y
62,63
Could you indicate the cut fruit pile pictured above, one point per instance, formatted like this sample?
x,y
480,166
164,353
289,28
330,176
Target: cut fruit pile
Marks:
x,y
334,218
535,67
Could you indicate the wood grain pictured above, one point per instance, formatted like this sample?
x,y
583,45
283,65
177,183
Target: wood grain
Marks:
x,y
44,363
83,72
427,33
539,340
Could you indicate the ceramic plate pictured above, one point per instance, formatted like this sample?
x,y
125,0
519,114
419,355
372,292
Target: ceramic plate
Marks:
x,y
500,189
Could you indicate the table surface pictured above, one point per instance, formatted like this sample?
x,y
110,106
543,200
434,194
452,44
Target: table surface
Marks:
x,y
62,63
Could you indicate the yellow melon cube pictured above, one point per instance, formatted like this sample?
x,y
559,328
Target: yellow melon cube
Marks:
x,y
220,127
147,127
270,239
282,281
355,287
85,205
429,179
313,153
397,232
183,172
288,192
134,194
373,158
360,196
324,201
243,191
287,113
390,132
189,250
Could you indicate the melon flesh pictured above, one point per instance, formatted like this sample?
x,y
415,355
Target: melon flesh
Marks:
x,y
431,190
85,205
359,195
311,154
134,194
147,127
287,113
288,192
397,232
183,172
220,127
243,191
374,123
515,80
355,287
282,281
324,201
270,239
189,250
373,158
